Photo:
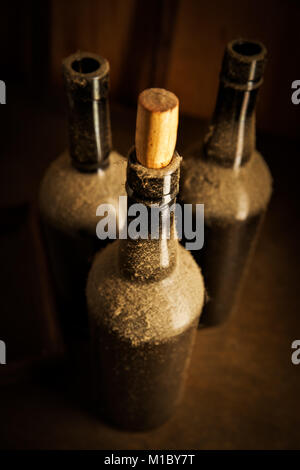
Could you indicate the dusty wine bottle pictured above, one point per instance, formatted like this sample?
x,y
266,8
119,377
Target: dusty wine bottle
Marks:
x,y
230,178
145,295
76,183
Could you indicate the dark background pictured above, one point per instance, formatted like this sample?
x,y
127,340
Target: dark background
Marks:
x,y
243,391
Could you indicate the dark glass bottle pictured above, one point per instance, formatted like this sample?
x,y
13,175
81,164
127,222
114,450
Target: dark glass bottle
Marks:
x,y
231,179
144,297
87,175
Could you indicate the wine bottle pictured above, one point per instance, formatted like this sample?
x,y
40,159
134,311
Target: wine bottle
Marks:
x,y
145,294
79,180
229,176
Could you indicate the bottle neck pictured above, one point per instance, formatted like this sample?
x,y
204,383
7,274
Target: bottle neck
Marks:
x,y
231,139
86,78
89,133
150,254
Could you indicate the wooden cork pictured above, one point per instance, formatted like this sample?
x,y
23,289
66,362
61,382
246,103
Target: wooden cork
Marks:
x,y
156,127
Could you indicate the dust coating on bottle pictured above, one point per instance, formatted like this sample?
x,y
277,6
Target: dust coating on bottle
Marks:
x,y
143,328
227,195
234,208
68,198
151,187
68,201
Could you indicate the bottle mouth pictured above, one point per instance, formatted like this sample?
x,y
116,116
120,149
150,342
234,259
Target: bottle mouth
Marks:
x,y
247,49
243,64
152,184
86,76
85,65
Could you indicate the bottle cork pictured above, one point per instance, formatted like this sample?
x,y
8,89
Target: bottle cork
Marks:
x,y
156,127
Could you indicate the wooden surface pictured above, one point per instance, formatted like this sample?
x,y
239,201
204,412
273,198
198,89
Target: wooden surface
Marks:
x,y
242,392
173,44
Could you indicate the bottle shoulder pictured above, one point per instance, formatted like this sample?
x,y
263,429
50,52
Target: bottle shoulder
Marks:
x,y
141,312
68,199
226,193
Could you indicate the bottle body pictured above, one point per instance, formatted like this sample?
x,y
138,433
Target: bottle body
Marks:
x,y
141,342
144,299
68,201
88,175
224,261
234,207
